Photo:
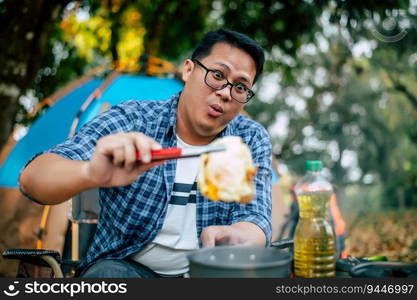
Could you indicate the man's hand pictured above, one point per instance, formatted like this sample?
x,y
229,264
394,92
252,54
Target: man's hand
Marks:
x,y
241,233
114,162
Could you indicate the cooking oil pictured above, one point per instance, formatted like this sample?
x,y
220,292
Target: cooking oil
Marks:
x,y
314,239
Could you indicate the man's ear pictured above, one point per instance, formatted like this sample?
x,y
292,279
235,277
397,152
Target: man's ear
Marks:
x,y
187,69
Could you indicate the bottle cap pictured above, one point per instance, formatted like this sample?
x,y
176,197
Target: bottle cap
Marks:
x,y
314,165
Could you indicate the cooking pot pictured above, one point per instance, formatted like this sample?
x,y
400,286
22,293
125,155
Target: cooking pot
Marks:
x,y
242,261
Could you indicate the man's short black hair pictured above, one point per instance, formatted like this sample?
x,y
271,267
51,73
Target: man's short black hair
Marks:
x,y
234,39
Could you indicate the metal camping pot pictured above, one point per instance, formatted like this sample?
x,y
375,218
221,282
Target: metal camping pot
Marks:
x,y
240,261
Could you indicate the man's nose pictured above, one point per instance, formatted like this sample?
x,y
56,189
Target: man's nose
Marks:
x,y
225,93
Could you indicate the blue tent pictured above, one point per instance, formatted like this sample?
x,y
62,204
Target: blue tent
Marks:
x,y
75,109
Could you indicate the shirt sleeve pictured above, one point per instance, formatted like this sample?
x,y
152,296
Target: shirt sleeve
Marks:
x,y
259,210
82,145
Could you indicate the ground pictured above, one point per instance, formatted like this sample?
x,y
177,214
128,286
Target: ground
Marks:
x,y
393,234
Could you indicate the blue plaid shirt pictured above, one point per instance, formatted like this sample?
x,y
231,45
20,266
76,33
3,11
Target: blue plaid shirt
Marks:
x,y
131,216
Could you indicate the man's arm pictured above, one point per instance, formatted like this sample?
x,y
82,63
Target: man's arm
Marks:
x,y
52,179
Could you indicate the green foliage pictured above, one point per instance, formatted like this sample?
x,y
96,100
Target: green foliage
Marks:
x,y
357,109
173,27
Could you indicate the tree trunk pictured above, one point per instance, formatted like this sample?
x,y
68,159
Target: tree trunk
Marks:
x,y
25,33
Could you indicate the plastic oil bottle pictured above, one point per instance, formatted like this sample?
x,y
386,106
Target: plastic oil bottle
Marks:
x,y
314,238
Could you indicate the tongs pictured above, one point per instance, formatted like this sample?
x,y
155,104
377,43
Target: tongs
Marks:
x,y
176,152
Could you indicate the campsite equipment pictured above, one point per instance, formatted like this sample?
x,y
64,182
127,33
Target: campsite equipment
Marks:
x,y
314,238
242,261
277,261
365,267
384,269
47,263
175,152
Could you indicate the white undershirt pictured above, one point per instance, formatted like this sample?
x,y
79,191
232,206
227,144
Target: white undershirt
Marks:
x,y
166,255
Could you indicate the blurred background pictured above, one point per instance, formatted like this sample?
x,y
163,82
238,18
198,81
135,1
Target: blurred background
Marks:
x,y
339,85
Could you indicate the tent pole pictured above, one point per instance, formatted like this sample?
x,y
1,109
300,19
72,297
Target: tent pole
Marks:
x,y
75,241
44,218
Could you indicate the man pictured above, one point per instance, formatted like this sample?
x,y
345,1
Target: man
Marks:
x,y
151,212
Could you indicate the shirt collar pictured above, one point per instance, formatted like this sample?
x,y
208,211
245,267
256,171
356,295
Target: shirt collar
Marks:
x,y
172,113
227,131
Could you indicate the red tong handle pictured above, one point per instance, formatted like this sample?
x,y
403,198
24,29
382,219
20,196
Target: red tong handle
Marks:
x,y
163,153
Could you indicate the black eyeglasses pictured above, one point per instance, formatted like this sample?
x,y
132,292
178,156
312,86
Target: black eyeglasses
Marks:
x,y
218,81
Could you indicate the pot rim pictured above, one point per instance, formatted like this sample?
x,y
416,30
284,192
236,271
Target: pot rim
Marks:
x,y
285,260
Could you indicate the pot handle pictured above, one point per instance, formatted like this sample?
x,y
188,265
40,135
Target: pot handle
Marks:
x,y
283,243
393,265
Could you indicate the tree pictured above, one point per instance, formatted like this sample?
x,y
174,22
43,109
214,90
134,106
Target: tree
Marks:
x,y
26,31
171,29
340,104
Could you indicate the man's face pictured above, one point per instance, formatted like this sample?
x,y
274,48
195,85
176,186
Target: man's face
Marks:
x,y
206,110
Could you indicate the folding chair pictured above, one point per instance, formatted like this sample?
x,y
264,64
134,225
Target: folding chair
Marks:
x,y
83,215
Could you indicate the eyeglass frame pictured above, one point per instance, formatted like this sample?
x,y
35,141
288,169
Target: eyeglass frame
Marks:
x,y
250,92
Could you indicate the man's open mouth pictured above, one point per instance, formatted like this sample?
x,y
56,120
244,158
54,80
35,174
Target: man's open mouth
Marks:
x,y
217,108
